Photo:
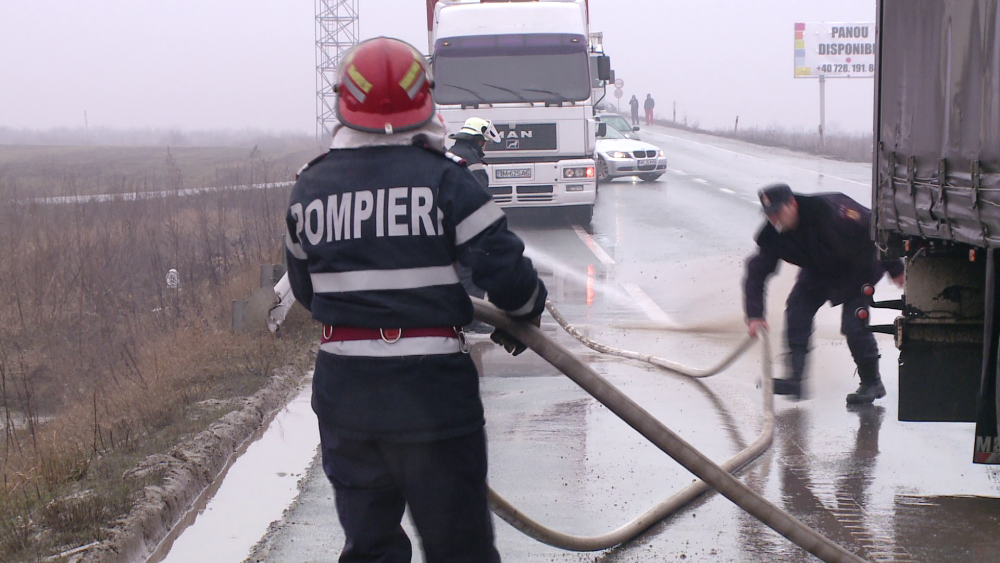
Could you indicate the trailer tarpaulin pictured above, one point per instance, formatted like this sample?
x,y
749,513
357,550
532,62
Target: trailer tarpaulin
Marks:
x,y
938,124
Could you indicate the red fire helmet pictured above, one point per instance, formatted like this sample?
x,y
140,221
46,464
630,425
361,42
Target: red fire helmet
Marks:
x,y
384,86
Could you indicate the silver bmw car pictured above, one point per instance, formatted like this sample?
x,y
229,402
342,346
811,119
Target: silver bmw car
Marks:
x,y
619,157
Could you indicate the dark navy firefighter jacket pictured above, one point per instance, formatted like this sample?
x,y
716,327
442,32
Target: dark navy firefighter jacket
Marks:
x,y
374,235
831,244
467,148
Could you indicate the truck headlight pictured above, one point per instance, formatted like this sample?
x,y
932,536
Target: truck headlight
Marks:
x,y
574,188
579,172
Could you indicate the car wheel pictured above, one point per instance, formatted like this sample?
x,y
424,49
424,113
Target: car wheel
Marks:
x,y
602,170
649,177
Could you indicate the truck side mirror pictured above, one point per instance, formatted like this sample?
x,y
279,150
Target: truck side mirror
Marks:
x,y
602,129
604,71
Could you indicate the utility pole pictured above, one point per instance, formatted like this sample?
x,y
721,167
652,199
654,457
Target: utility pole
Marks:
x,y
336,33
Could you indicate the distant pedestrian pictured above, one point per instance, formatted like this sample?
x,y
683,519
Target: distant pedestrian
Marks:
x,y
648,106
634,105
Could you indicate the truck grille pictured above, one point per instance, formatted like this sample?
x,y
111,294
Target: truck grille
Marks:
x,y
534,193
502,194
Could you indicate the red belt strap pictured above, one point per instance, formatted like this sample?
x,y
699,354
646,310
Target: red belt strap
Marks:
x,y
345,333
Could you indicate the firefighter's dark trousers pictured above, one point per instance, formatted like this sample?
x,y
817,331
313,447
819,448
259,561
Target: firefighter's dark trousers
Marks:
x,y
443,483
807,296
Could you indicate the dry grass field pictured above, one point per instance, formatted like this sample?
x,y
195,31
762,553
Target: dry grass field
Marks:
x,y
101,363
32,171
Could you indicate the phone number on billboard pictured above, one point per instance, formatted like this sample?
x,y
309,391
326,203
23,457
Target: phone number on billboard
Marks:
x,y
842,68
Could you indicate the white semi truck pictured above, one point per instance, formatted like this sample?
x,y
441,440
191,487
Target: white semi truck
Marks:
x,y
525,66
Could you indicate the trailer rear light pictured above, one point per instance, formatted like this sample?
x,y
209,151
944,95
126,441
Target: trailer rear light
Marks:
x,y
868,290
574,188
861,313
579,172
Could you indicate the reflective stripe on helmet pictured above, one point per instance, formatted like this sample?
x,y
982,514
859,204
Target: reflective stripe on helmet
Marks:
x,y
359,79
413,79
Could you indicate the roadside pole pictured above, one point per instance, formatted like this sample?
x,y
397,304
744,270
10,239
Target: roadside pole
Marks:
x,y
822,109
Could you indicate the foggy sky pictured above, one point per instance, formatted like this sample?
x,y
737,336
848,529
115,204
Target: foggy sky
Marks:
x,y
228,64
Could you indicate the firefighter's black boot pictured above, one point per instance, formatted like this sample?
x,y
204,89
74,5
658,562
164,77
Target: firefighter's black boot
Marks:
x,y
792,384
871,387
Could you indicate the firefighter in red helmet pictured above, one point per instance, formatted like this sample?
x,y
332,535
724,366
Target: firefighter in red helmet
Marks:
x,y
376,226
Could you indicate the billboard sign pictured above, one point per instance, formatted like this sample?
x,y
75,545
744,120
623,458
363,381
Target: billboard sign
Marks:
x,y
835,50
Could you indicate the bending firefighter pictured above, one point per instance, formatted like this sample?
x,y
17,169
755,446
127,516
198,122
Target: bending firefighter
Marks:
x,y
376,226
826,235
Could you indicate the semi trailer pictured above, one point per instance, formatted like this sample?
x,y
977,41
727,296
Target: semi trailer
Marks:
x,y
936,203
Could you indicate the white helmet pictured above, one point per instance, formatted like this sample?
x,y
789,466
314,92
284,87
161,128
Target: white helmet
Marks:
x,y
477,126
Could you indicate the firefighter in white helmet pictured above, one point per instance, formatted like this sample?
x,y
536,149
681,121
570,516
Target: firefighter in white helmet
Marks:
x,y
470,142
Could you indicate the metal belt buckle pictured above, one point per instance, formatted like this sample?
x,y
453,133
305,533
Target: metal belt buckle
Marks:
x,y
390,339
463,342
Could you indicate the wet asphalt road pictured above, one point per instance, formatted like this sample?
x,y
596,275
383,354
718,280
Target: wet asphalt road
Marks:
x,y
661,274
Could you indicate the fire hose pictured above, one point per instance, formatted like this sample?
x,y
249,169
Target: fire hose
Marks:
x,y
710,474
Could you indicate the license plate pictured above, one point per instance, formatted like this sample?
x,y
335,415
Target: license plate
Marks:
x,y
503,173
647,162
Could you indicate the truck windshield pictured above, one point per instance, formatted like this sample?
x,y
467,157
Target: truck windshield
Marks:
x,y
544,67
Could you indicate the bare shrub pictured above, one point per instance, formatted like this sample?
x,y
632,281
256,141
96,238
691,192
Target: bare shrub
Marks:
x,y
101,363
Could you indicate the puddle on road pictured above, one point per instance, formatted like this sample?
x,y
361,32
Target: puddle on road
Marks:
x,y
251,494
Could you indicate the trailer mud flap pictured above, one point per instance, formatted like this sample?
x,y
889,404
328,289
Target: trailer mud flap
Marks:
x,y
987,442
987,447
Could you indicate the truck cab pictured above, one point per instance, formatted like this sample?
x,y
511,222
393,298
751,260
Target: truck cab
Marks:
x,y
525,66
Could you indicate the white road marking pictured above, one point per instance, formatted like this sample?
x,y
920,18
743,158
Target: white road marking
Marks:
x,y
648,306
726,190
701,180
759,158
679,172
593,246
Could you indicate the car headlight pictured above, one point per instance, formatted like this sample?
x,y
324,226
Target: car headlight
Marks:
x,y
618,154
661,154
